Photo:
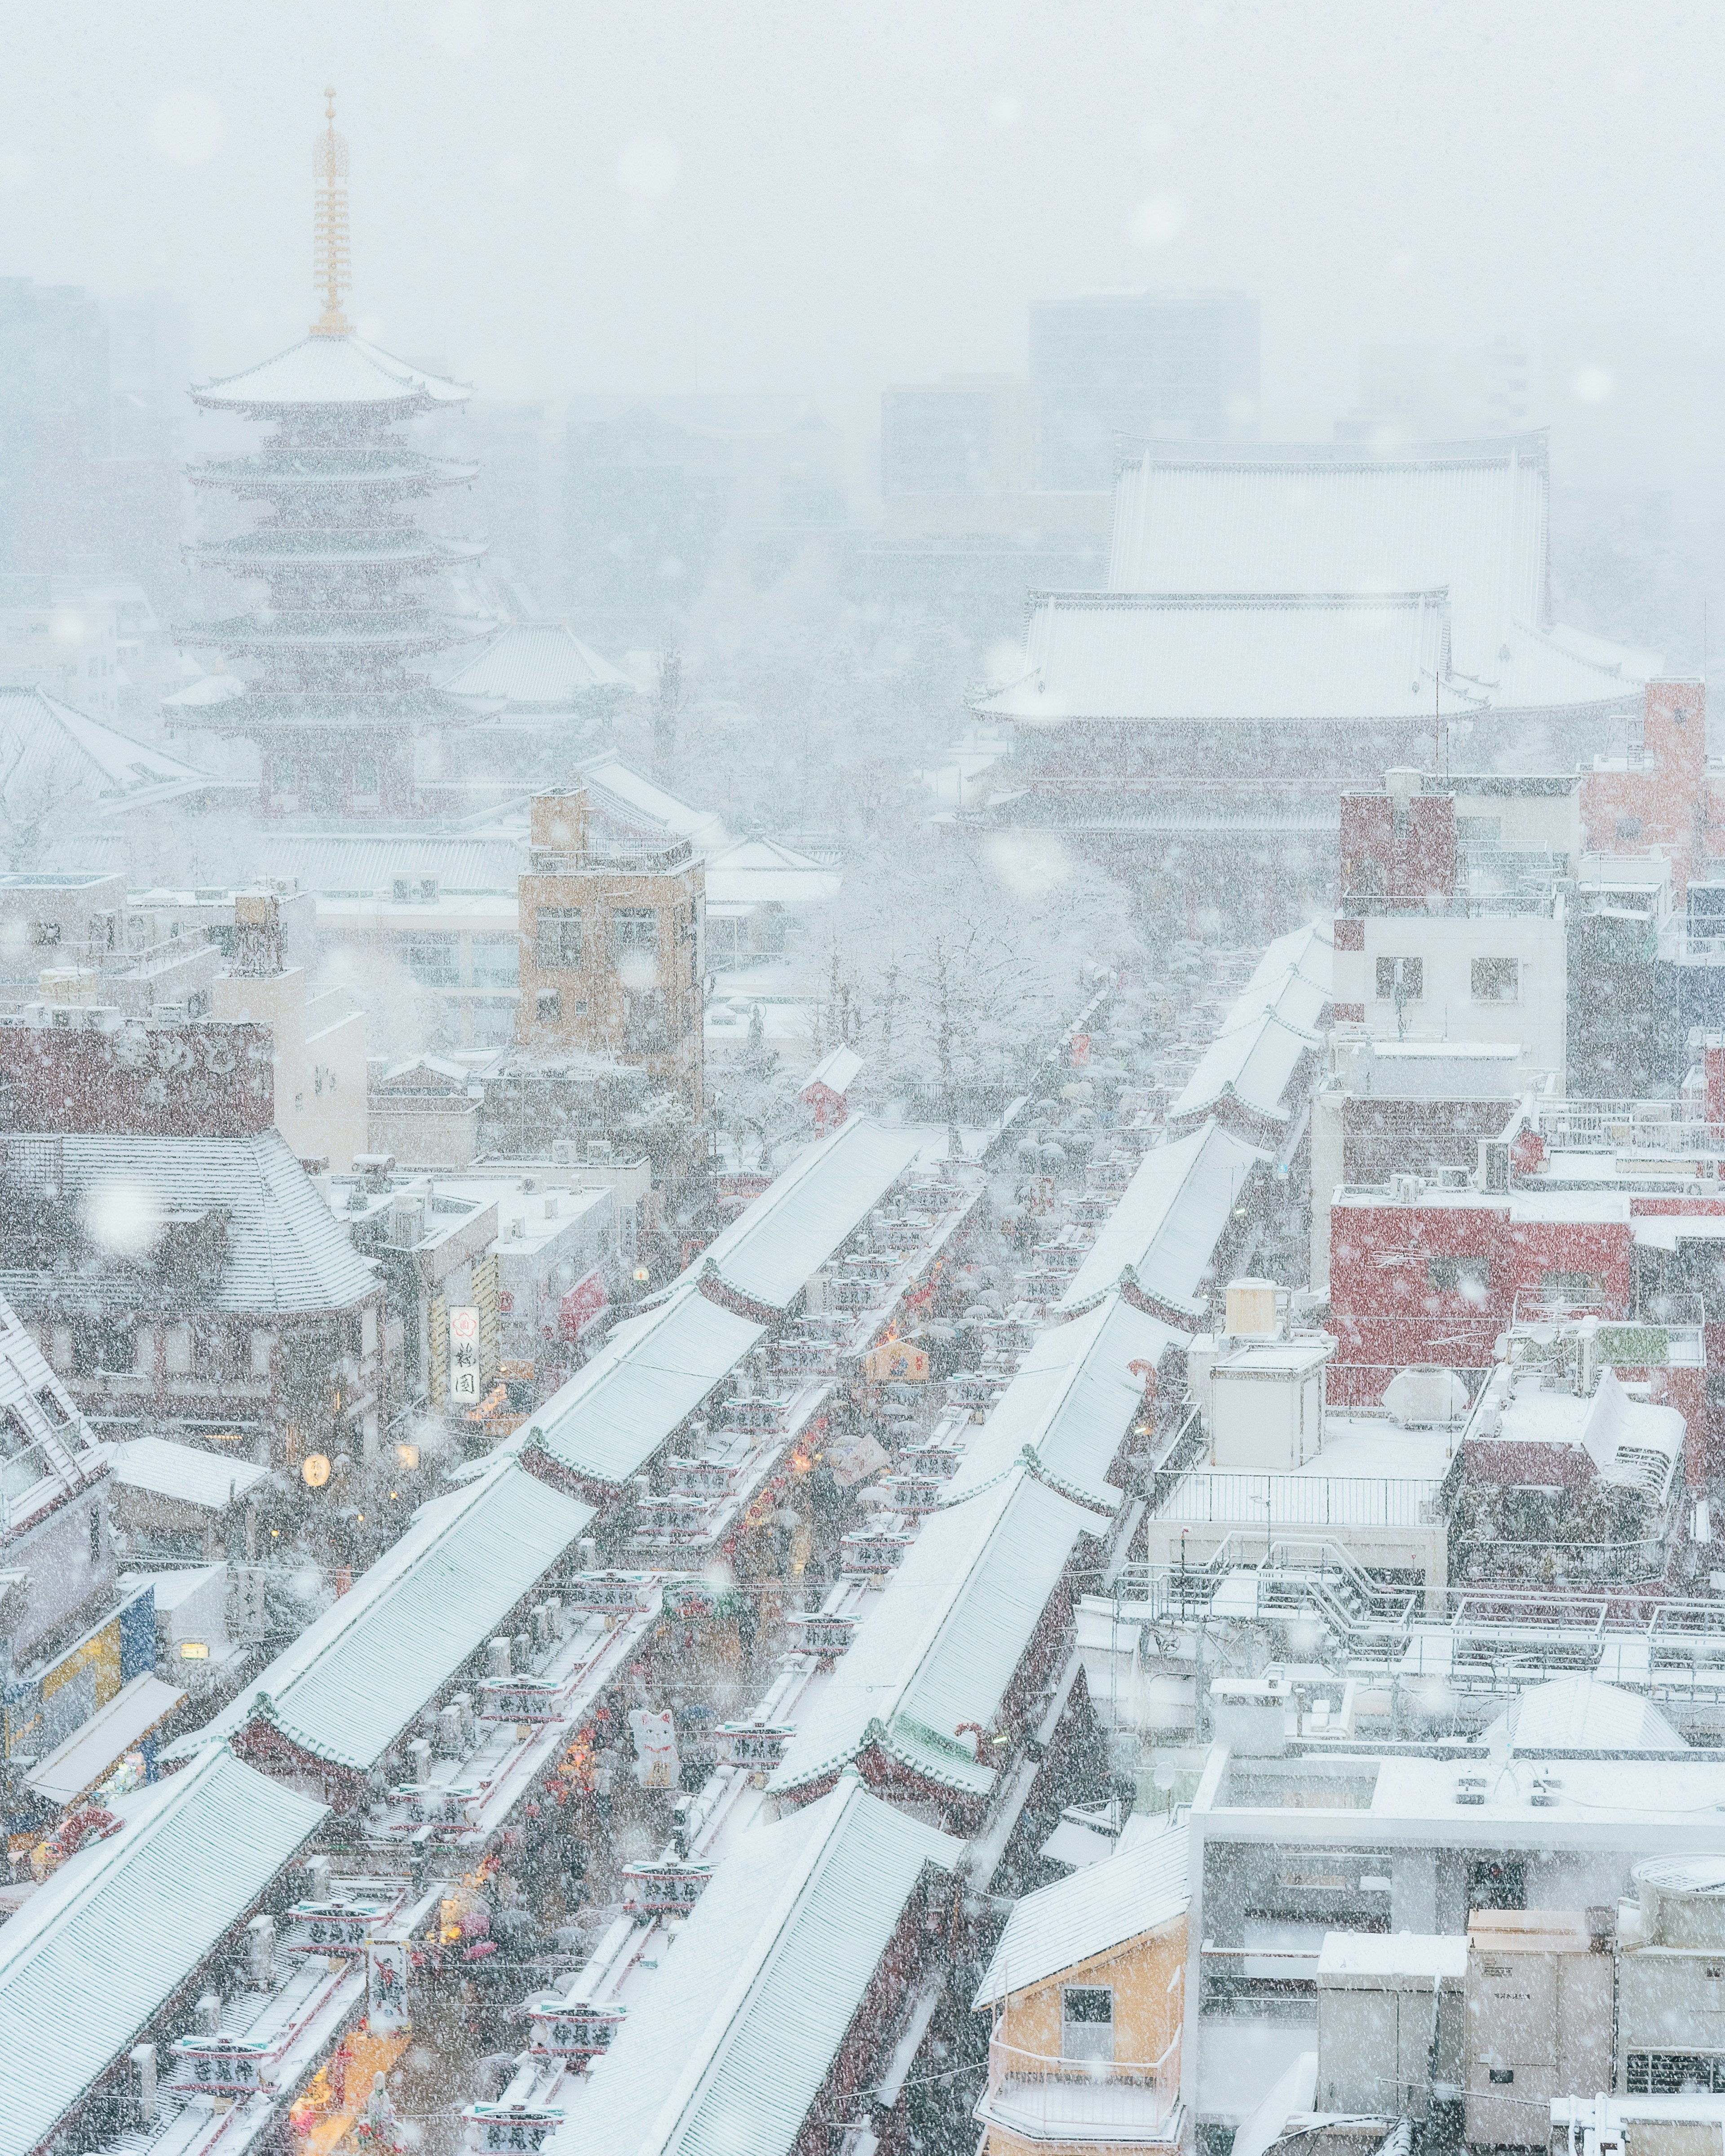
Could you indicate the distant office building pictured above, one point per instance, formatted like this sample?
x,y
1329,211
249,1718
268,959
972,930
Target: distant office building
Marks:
x,y
652,484
965,434
149,364
1167,367
1423,392
54,415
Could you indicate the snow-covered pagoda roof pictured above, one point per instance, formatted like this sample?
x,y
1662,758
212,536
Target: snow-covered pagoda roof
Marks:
x,y
103,1946
358,1675
1272,1026
1331,657
939,1651
1472,518
1169,1220
332,371
733,2045
535,666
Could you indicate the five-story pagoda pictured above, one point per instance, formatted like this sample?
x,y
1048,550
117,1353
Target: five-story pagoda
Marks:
x,y
329,669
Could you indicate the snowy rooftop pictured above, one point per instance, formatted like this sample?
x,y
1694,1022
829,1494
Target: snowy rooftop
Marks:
x,y
536,666
212,1480
50,750
1169,1220
1471,518
760,871
732,2045
1137,1890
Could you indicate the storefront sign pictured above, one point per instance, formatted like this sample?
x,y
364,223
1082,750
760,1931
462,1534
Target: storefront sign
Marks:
x,y
464,1354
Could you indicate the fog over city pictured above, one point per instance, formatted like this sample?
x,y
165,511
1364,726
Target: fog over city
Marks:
x,y
862,1080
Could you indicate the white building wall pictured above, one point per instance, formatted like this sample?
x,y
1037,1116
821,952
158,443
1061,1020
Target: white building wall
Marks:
x,y
1447,1007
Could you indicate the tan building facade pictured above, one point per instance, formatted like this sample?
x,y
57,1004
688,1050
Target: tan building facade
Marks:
x,y
612,948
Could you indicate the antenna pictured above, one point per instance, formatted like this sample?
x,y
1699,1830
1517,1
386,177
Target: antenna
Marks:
x,y
331,272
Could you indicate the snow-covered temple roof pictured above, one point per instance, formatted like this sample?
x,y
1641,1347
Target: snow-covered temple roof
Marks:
x,y
733,2044
1471,518
50,750
536,666
1326,657
359,1674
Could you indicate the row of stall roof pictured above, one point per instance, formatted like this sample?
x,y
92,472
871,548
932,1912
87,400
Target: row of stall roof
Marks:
x,y
122,1925
357,1677
1170,1217
656,1369
1248,1072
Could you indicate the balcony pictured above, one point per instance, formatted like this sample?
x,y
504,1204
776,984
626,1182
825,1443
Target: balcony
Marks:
x,y
1064,2101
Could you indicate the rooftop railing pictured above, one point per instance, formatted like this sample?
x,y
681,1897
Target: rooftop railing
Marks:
x,y
1043,2097
1301,1500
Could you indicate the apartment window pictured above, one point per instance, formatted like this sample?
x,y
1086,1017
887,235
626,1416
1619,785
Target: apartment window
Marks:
x,y
44,933
1086,2021
497,960
432,960
1628,828
1496,980
1572,1291
1401,977
547,1004
557,936
634,932
1470,1276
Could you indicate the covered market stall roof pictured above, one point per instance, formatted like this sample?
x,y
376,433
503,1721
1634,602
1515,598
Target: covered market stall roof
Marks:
x,y
1170,1217
774,1248
358,1675
652,1373
99,1950
939,1651
734,2043
1074,1397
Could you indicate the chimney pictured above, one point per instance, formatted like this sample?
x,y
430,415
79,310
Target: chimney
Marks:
x,y
260,1941
497,1657
556,831
143,2066
317,1870
257,935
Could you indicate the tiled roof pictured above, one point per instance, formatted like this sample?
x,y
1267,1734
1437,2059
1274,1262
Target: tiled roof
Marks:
x,y
1170,1217
760,871
96,1953
359,1674
1137,1890
1270,1026
940,1648
47,748
1117,655
653,1372
730,2049
286,1252
536,666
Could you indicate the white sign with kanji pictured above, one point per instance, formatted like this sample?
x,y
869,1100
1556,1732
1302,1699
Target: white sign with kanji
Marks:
x,y
464,1353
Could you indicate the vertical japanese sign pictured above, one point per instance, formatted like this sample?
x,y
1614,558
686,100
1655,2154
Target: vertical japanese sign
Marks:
x,y
464,1354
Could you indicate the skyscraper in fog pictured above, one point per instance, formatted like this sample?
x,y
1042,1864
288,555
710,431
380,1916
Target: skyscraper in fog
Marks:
x,y
1175,366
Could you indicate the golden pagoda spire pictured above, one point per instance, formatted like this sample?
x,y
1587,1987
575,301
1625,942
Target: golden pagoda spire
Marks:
x,y
330,269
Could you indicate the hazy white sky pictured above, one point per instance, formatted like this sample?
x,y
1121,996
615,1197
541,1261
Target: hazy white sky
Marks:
x,y
830,194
